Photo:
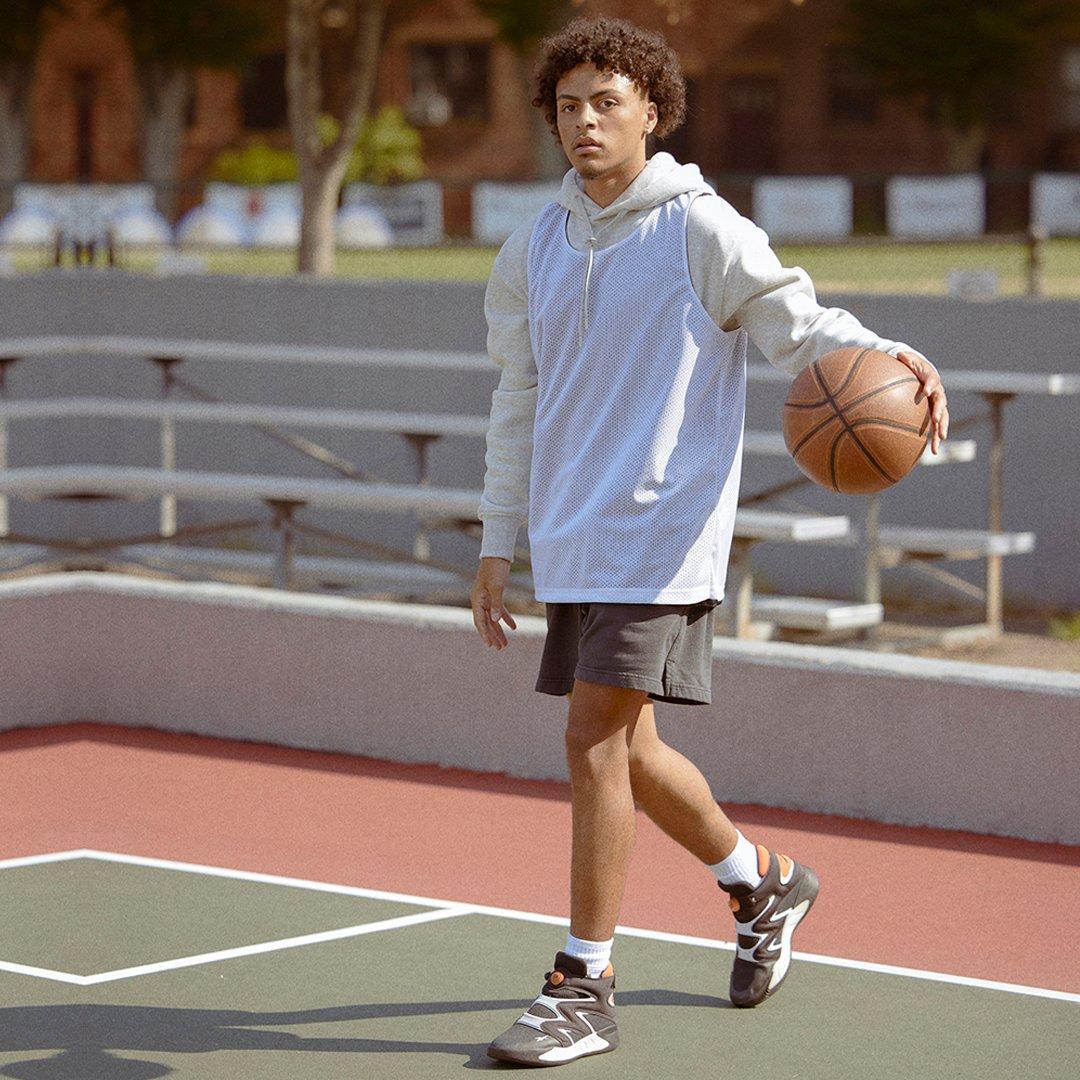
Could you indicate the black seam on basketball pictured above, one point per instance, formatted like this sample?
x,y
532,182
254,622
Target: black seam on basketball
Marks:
x,y
832,459
851,372
869,457
894,424
855,401
847,427
812,432
880,389
821,423
821,381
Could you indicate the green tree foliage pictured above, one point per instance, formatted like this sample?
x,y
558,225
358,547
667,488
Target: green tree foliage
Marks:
x,y
256,163
192,33
959,62
387,151
522,23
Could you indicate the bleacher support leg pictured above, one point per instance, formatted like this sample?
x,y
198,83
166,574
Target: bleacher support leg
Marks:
x,y
871,583
743,585
283,526
419,442
167,504
5,363
996,493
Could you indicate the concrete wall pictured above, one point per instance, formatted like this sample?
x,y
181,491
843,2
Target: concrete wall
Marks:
x,y
1015,334
894,739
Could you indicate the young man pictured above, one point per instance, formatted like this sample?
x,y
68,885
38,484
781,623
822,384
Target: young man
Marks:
x,y
620,318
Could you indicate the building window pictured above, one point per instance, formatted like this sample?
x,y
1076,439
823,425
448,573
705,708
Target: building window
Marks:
x,y
262,93
448,82
1070,88
753,113
853,92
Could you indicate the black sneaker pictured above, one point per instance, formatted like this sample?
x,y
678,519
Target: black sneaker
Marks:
x,y
766,917
572,1017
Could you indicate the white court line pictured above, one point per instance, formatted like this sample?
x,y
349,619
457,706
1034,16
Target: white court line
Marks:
x,y
271,946
41,973
455,907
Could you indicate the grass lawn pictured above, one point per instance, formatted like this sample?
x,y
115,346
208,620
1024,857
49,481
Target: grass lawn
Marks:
x,y
880,267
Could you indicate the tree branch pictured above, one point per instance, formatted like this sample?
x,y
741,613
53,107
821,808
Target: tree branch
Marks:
x,y
303,81
370,21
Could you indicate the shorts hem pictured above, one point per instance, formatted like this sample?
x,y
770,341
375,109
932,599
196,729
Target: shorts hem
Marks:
x,y
619,678
675,693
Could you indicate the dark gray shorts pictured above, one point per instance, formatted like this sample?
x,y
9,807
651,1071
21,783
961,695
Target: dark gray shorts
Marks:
x,y
665,649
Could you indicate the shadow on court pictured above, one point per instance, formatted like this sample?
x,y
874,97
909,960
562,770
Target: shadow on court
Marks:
x,y
93,1035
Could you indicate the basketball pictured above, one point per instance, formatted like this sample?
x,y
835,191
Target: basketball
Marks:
x,y
856,421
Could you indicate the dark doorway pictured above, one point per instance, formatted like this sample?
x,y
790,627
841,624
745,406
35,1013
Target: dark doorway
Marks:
x,y
752,104
84,85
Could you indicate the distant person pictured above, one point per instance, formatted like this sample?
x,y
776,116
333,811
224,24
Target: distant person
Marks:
x,y
620,317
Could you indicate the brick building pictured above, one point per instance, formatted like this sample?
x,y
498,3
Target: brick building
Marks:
x,y
769,91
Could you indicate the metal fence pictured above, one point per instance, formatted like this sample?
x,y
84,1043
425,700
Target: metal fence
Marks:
x,y
1012,257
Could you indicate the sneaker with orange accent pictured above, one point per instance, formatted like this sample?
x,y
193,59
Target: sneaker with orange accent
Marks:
x,y
573,1016
766,917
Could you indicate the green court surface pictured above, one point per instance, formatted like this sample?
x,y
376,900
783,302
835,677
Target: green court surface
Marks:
x,y
105,974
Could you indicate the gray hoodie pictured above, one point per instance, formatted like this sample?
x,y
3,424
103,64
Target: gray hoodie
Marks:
x,y
733,270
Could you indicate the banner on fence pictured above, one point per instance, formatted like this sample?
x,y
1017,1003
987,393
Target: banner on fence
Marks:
x,y
414,211
935,206
803,207
499,208
1055,203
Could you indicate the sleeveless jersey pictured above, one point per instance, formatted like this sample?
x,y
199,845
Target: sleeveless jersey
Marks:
x,y
638,437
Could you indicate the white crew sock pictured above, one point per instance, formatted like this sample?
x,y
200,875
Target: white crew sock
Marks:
x,y
596,954
740,865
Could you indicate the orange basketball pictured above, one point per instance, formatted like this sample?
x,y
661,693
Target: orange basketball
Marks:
x,y
856,421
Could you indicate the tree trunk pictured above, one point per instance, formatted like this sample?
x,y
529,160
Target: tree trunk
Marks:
x,y
550,160
14,132
319,199
164,98
322,168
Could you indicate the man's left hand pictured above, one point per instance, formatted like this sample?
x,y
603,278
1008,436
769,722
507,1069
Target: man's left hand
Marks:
x,y
934,391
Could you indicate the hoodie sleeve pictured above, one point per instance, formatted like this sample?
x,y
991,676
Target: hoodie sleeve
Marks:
x,y
504,504
742,283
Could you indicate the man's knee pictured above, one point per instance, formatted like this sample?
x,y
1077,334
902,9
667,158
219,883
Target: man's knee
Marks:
x,y
598,717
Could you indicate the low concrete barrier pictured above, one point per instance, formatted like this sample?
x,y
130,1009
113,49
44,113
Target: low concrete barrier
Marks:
x,y
896,739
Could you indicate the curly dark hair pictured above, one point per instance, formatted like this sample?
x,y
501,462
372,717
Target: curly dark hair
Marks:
x,y
618,45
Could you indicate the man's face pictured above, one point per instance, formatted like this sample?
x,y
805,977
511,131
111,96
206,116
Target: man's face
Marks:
x,y
603,109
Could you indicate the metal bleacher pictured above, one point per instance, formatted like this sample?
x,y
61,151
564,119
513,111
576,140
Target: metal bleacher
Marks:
x,y
373,567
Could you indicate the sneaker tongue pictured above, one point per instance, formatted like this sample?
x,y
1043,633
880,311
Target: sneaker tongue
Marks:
x,y
572,965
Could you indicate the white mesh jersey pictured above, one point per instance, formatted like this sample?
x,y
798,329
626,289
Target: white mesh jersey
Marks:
x,y
638,436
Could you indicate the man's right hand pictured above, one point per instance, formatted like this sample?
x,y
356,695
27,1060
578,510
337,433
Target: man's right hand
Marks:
x,y
487,600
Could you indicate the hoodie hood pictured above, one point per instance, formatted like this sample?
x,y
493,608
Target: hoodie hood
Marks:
x,y
662,178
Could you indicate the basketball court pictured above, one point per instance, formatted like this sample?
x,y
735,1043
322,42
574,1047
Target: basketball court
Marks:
x,y
254,910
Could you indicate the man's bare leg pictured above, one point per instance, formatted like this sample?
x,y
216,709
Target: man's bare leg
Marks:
x,y
672,791
597,753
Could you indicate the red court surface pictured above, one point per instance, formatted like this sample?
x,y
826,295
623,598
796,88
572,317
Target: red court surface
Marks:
x,y
926,898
